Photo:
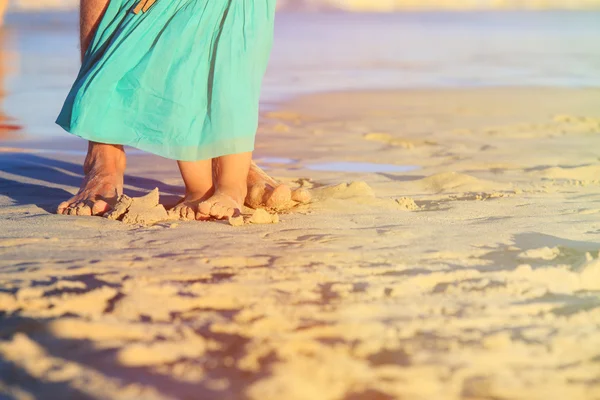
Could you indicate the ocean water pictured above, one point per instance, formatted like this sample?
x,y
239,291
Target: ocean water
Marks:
x,y
316,52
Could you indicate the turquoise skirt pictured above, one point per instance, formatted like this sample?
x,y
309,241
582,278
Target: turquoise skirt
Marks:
x,y
181,80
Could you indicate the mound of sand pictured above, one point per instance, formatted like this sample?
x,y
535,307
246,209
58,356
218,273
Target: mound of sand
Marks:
x,y
260,216
355,196
580,173
145,210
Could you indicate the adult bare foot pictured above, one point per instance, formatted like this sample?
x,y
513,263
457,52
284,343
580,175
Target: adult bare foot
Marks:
x,y
264,191
104,168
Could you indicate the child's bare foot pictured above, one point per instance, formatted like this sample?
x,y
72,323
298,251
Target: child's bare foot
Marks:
x,y
187,208
104,167
222,204
231,176
197,177
261,191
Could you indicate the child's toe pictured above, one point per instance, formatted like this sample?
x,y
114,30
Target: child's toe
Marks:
x,y
205,207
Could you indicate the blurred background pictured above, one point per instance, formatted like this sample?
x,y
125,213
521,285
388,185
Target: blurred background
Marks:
x,y
369,5
320,46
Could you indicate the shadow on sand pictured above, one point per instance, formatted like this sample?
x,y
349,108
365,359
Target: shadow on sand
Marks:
x,y
34,179
104,363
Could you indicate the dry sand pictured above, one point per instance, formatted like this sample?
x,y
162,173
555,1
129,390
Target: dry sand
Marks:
x,y
474,277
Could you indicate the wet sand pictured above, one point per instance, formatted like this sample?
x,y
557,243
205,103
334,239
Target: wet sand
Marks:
x,y
451,252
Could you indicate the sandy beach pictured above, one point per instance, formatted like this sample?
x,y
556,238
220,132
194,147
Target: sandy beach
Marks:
x,y
451,250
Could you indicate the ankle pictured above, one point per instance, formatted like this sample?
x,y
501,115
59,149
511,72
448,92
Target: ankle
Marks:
x,y
199,193
105,159
236,191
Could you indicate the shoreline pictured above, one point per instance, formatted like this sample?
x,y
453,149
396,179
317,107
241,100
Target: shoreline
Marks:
x,y
17,138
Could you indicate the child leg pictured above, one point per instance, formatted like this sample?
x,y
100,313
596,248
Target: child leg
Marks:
x,y
197,176
231,175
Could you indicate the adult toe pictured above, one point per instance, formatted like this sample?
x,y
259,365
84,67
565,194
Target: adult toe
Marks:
x,y
100,207
63,207
281,195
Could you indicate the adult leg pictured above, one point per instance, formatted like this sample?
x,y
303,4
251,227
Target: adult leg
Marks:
x,y
3,6
104,164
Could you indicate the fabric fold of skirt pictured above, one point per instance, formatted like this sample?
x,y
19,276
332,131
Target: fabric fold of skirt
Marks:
x,y
181,80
